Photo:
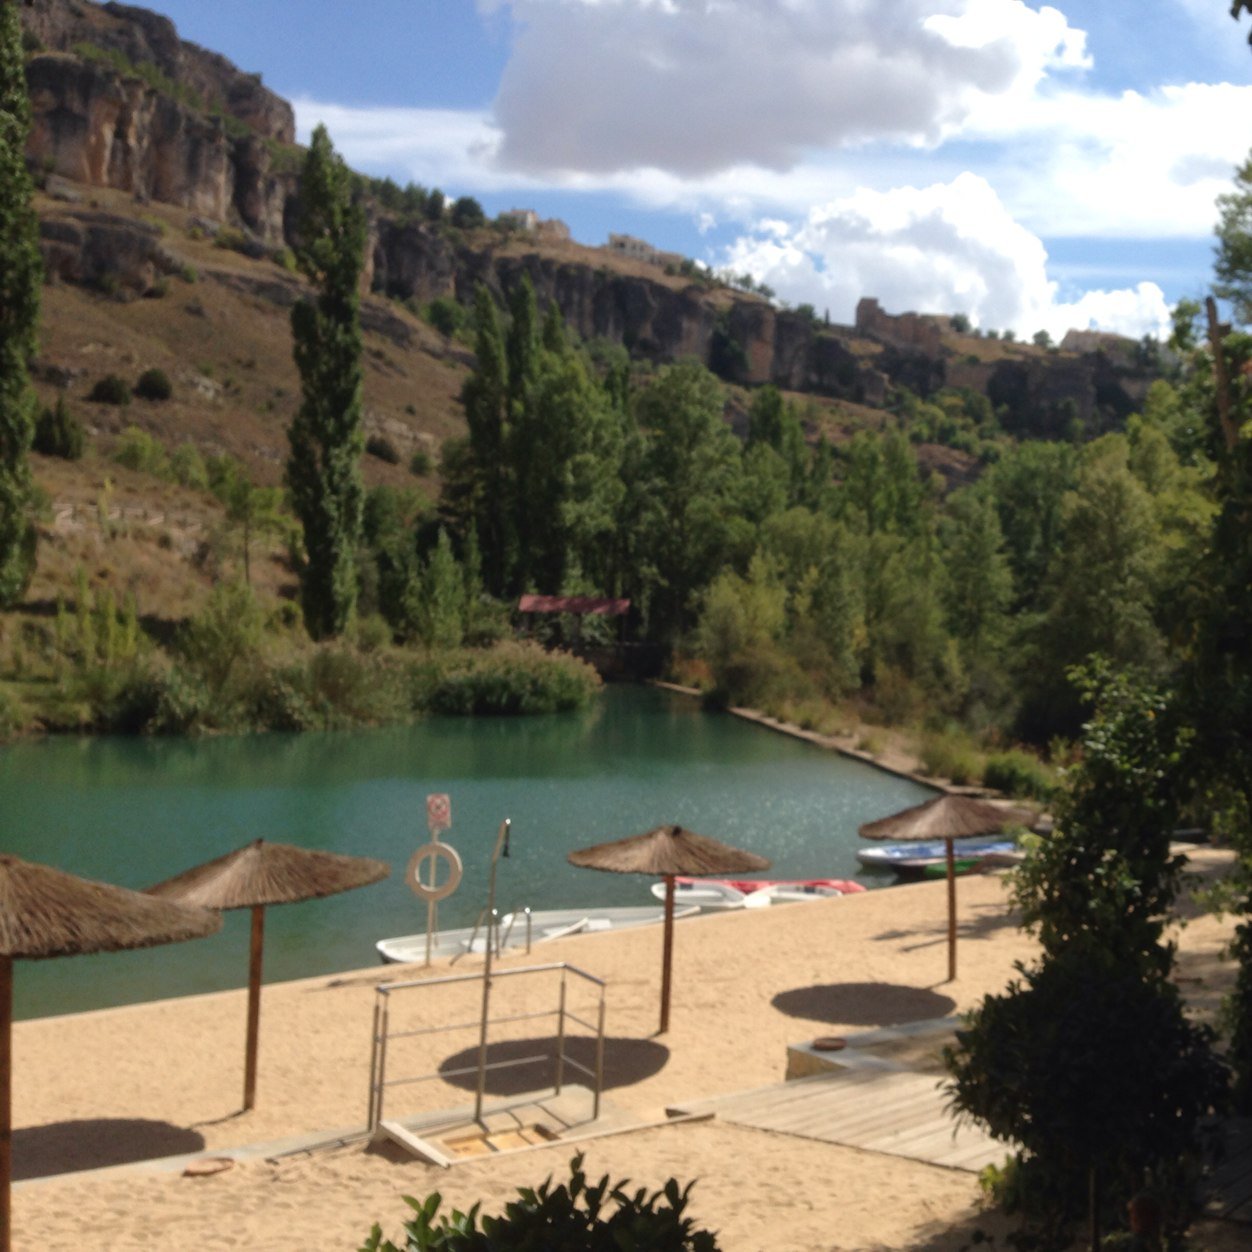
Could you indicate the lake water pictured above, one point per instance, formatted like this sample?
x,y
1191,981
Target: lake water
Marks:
x,y
137,811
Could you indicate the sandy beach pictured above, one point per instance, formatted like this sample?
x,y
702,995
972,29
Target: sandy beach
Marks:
x,y
95,1090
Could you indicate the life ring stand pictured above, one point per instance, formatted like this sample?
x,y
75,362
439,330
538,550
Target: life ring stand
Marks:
x,y
431,852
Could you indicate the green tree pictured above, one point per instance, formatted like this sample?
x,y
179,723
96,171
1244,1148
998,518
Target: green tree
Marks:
x,y
20,276
1233,265
691,477
1091,1064
326,438
486,484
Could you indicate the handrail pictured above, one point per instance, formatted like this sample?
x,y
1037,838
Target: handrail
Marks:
x,y
382,1033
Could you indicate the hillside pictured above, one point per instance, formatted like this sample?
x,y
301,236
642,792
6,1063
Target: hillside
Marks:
x,y
168,184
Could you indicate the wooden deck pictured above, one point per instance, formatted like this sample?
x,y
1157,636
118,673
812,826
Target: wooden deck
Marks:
x,y
1229,1190
901,1113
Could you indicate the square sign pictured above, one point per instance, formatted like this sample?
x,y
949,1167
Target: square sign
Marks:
x,y
438,812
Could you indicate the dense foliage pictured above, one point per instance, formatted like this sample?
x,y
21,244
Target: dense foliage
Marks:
x,y
20,275
1089,1062
576,1216
326,438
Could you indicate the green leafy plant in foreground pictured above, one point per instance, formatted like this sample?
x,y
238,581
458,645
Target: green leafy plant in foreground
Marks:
x,y
571,1217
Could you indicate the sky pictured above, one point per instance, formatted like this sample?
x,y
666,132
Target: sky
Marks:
x,y
1034,166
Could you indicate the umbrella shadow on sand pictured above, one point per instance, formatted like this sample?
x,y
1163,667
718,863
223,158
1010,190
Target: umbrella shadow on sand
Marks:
x,y
92,1143
626,1062
863,1003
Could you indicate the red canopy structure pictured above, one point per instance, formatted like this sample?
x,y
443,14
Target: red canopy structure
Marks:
x,y
578,606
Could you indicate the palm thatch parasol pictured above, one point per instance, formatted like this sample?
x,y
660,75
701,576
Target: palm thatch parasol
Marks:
x,y
253,876
947,817
46,912
668,851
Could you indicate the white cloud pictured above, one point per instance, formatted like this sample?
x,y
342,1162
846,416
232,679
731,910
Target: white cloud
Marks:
x,y
944,248
693,87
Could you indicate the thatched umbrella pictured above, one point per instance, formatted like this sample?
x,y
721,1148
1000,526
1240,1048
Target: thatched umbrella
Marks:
x,y
947,817
47,912
253,876
668,851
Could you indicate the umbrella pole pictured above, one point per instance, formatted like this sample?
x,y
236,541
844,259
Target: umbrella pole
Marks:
x,y
254,1006
667,956
951,857
6,1098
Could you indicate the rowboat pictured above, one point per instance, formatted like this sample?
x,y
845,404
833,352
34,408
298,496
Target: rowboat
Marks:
x,y
519,930
914,859
705,893
809,886
788,893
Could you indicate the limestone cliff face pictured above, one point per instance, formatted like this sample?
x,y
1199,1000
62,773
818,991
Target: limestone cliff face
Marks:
x,y
120,101
209,145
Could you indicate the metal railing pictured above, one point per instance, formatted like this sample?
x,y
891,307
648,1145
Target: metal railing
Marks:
x,y
501,935
384,1035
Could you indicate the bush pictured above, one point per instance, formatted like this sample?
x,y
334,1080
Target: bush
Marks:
x,y
154,384
421,463
58,432
574,1217
382,447
110,390
446,315
510,679
950,756
1017,773
137,450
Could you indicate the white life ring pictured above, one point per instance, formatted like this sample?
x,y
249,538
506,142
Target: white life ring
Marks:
x,y
431,852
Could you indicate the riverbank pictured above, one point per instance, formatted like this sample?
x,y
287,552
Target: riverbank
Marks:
x,y
166,1077
891,755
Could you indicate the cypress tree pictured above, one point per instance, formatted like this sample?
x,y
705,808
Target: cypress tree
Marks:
x,y
326,439
20,275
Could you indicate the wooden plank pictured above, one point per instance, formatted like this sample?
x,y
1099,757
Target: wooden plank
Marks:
x,y
418,1146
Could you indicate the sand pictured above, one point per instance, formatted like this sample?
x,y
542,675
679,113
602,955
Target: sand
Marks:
x,y
97,1089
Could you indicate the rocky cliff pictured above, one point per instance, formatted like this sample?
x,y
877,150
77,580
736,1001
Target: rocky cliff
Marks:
x,y
120,101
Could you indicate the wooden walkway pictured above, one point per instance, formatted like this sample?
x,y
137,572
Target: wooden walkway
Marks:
x,y
901,1113
1229,1190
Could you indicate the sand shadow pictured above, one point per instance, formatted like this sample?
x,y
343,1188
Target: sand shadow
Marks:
x,y
980,921
863,1004
626,1062
92,1143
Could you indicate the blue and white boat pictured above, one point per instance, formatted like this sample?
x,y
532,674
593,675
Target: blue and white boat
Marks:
x,y
915,859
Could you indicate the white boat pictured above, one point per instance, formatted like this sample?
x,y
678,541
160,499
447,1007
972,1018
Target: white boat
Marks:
x,y
914,859
518,931
788,893
702,892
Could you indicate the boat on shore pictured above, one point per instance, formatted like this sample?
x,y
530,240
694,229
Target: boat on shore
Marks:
x,y
518,931
917,860
754,893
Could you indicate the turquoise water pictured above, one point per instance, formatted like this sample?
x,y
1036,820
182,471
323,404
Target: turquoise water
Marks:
x,y
137,811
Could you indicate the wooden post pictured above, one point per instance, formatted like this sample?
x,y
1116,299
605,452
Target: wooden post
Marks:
x,y
254,1007
951,855
6,1100
667,953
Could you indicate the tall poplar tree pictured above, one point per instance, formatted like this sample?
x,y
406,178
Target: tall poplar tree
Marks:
x,y
324,464
20,274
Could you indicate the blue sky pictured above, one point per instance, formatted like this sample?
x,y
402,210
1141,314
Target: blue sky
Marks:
x,y
1035,166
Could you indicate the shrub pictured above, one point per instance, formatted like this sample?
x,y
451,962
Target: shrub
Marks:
x,y
137,450
110,390
58,432
188,468
1017,773
510,679
952,757
421,463
445,315
154,384
382,447
574,1217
